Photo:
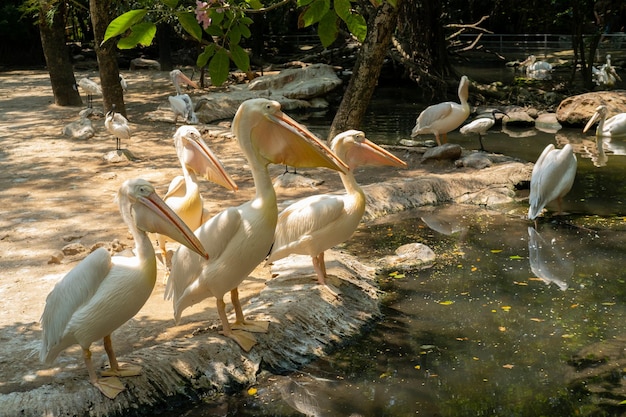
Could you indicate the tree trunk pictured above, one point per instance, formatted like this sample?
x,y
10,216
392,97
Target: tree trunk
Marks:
x,y
164,35
57,56
380,28
107,58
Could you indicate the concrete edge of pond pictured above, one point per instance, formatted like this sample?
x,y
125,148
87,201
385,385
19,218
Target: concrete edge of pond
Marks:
x,y
306,321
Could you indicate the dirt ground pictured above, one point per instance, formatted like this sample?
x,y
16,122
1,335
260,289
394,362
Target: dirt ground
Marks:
x,y
55,191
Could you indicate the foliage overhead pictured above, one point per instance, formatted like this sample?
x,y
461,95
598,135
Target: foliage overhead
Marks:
x,y
220,26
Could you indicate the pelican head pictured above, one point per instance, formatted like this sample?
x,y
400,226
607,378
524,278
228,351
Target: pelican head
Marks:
x,y
278,139
196,156
178,77
356,150
600,114
140,205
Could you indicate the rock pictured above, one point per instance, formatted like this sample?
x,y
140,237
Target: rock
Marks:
x,y
410,257
300,83
80,129
293,180
144,63
73,249
56,257
447,151
478,160
120,155
547,122
576,110
518,118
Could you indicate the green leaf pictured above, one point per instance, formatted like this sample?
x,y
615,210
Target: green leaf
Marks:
x,y
240,57
328,28
219,67
142,33
357,26
315,12
245,30
515,257
394,3
215,30
190,24
203,58
255,4
170,3
302,3
234,35
122,23
342,8
216,17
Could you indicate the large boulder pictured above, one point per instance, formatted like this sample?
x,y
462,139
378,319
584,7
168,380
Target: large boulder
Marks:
x,y
576,110
300,83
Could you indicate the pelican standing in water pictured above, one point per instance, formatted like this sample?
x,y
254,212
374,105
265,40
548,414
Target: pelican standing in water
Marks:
x,y
117,125
181,103
91,88
439,119
552,178
239,238
481,124
102,292
317,223
183,195
612,127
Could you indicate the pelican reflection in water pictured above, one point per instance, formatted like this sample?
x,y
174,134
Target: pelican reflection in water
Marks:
x,y
547,262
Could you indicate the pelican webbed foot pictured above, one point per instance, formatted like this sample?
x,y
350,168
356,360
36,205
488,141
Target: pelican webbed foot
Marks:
x,y
123,370
243,338
110,386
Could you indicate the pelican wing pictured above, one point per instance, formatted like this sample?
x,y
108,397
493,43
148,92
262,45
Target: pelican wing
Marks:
x,y
69,294
300,222
176,188
431,114
616,125
552,177
215,235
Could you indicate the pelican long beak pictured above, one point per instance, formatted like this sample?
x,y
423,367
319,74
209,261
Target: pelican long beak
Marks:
x,y
199,157
153,215
368,153
591,121
282,140
184,79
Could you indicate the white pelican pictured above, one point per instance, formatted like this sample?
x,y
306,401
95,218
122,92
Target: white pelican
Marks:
x,y
552,178
183,195
91,88
612,127
117,125
534,66
181,103
239,238
317,223
102,292
606,75
123,83
481,124
442,118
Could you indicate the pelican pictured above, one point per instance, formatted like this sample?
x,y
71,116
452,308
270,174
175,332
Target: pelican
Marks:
x,y
123,83
183,195
102,292
612,127
91,88
552,178
117,125
181,103
442,118
481,124
606,74
532,65
239,238
317,223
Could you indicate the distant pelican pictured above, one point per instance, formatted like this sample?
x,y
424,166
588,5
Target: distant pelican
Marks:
x,y
103,292
552,178
481,124
442,118
612,127
91,88
533,66
605,76
181,103
117,125
123,83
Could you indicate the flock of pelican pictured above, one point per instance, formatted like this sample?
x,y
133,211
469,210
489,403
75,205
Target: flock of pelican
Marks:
x,y
218,253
